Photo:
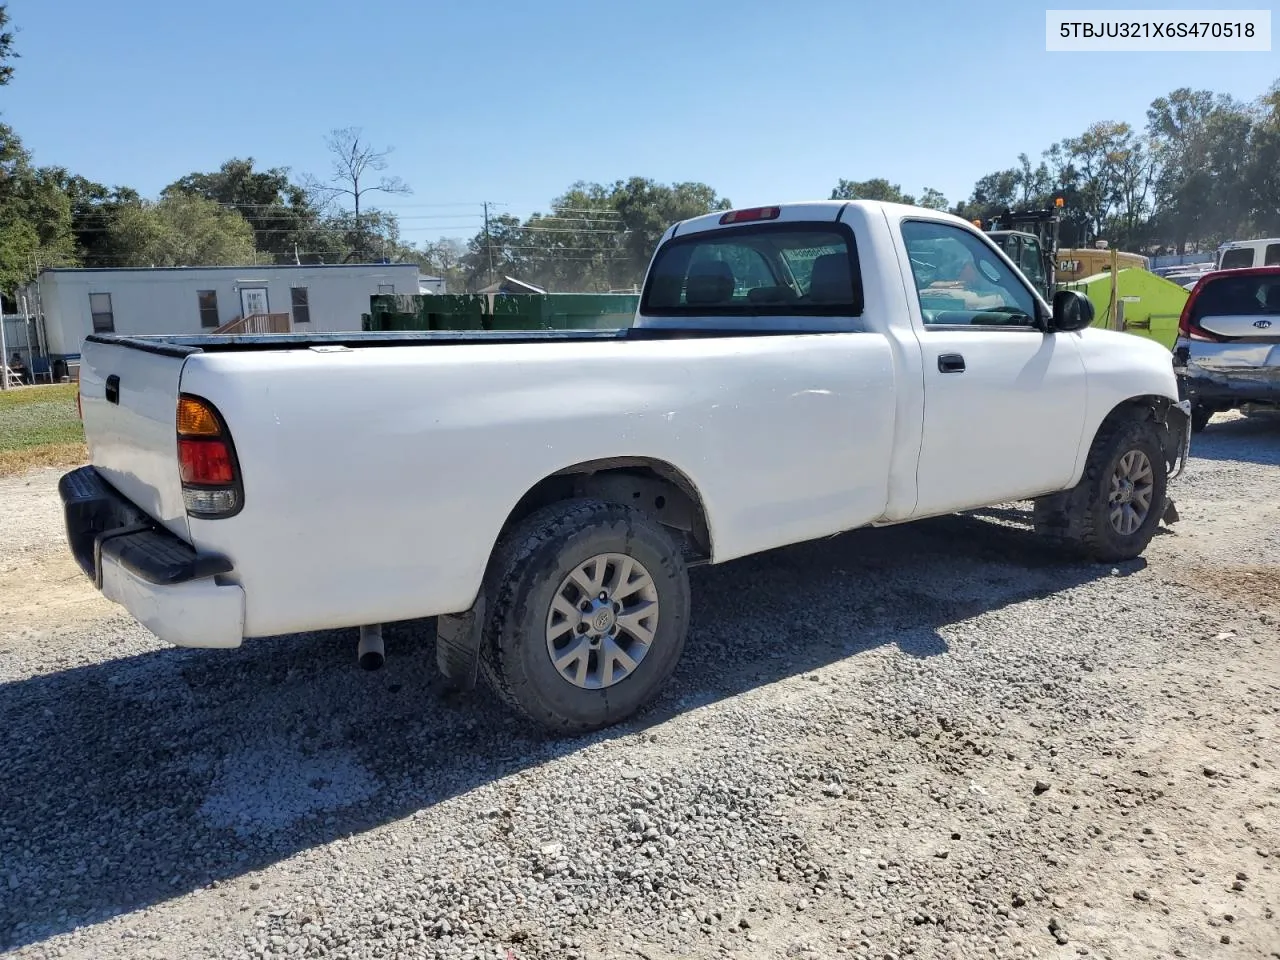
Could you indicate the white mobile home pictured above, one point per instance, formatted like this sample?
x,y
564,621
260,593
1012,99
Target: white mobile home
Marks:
x,y
76,302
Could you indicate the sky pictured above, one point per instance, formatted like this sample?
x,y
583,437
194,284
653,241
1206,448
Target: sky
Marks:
x,y
511,102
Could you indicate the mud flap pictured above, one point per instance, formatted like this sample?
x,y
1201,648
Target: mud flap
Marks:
x,y
1170,513
458,645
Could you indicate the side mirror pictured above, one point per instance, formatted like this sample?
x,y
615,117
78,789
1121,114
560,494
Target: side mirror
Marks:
x,y
1071,311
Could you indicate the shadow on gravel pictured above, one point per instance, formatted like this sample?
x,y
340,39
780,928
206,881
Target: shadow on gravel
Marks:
x,y
1253,439
129,782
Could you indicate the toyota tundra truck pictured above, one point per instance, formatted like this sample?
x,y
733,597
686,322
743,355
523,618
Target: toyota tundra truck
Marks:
x,y
792,372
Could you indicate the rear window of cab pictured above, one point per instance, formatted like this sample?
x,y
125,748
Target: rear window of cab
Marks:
x,y
776,269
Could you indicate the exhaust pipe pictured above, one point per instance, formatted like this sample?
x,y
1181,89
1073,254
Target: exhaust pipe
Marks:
x,y
370,652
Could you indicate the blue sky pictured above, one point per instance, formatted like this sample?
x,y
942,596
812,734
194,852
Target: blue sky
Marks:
x,y
511,102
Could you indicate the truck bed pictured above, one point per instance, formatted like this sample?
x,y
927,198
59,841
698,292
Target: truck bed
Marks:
x,y
376,478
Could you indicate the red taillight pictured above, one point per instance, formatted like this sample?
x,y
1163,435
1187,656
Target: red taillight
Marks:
x,y
750,214
211,484
205,462
1188,329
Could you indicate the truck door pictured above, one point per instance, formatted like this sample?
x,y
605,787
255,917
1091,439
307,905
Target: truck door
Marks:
x,y
1004,402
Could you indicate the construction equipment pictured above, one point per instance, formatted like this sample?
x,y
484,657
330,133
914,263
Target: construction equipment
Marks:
x,y
1030,239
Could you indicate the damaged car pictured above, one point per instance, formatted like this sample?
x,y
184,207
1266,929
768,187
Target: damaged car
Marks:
x,y
1227,355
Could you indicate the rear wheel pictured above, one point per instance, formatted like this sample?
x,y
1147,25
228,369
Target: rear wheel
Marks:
x,y
590,614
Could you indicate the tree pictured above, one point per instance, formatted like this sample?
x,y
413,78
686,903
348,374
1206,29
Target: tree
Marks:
x,y
992,195
1097,155
875,189
1034,184
181,231
933,199
93,208
1261,174
6,46
496,252
279,210
1197,137
578,245
355,167
1133,177
646,209
35,216
376,232
443,258
595,237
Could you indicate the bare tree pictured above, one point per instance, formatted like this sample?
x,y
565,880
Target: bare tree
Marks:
x,y
356,166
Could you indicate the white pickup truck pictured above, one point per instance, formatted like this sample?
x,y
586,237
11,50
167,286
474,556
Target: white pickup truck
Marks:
x,y
793,372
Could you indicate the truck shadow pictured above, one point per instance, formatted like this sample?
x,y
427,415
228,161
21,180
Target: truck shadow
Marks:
x,y
158,774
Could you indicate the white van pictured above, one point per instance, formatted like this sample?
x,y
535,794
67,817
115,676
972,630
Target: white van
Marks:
x,y
1238,254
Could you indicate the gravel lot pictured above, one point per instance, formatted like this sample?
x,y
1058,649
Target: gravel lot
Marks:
x,y
931,741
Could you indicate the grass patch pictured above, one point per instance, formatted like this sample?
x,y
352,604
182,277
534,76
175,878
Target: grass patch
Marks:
x,y
39,428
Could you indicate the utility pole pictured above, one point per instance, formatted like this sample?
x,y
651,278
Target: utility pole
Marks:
x,y
488,239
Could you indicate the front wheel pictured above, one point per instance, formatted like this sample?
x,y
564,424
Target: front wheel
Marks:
x,y
589,615
1113,512
1124,497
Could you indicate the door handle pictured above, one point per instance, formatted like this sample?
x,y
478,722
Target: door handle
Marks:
x,y
113,389
950,363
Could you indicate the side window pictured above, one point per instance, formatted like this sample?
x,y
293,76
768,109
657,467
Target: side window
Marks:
x,y
1237,258
960,282
207,301
301,305
769,270
104,317
1272,258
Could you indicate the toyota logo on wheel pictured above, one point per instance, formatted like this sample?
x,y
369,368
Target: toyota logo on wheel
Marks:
x,y
1262,324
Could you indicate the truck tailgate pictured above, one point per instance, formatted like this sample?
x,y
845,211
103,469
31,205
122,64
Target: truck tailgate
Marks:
x,y
129,401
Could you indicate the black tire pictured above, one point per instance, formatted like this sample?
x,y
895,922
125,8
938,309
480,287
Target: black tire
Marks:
x,y
1200,417
526,572
1097,537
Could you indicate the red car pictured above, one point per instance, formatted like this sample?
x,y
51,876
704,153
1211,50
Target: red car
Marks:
x,y
1227,354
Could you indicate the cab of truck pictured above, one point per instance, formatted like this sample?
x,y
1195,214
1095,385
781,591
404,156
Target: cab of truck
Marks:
x,y
1246,254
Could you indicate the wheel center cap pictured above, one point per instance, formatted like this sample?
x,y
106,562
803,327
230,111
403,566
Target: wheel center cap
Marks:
x,y
602,620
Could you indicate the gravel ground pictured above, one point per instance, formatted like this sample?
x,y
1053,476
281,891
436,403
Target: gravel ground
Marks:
x,y
932,741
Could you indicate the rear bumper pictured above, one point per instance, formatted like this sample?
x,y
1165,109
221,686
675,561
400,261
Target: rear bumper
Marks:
x,y
1226,390
168,586
1207,381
